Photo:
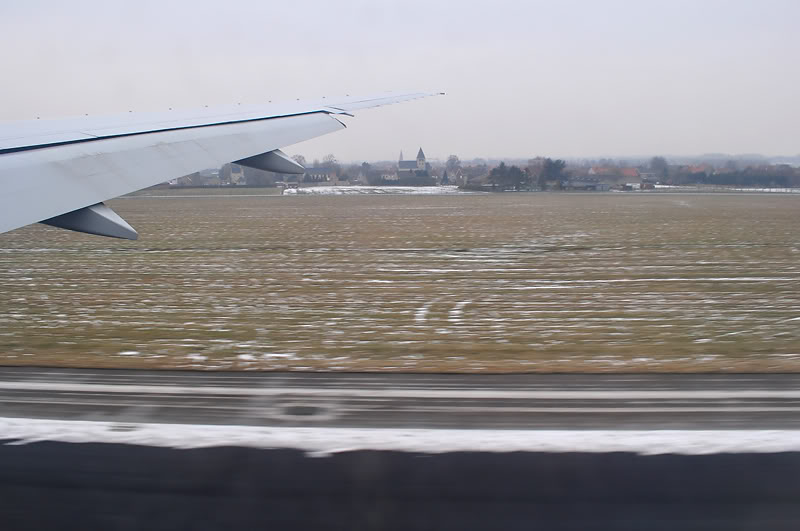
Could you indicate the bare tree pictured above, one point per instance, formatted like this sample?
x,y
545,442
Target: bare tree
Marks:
x,y
516,177
498,175
453,163
659,166
552,170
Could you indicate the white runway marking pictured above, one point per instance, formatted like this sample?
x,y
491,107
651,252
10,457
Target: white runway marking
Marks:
x,y
370,407
396,393
326,441
604,410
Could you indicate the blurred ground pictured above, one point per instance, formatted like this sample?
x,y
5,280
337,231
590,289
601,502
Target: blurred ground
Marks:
x,y
468,283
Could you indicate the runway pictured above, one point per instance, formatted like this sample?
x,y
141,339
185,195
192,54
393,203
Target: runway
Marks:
x,y
406,401
120,449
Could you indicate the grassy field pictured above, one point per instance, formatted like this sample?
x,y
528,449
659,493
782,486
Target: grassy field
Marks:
x,y
486,282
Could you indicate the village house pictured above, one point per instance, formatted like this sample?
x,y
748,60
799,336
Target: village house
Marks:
x,y
588,184
236,175
700,168
321,175
614,176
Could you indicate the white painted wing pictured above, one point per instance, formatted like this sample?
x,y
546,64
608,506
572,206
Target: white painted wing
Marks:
x,y
54,167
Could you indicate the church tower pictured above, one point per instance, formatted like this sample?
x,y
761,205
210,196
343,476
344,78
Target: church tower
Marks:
x,y
420,160
401,156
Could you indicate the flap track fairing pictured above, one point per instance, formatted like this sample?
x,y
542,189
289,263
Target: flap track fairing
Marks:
x,y
96,219
275,161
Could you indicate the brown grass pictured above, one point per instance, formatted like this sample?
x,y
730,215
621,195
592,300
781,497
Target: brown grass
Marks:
x,y
500,283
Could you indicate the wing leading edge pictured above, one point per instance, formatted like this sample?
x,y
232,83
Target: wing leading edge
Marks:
x,y
61,171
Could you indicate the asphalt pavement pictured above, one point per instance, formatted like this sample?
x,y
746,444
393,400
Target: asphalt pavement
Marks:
x,y
532,401
219,450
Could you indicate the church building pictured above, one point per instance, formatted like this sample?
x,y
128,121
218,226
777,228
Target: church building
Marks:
x,y
411,168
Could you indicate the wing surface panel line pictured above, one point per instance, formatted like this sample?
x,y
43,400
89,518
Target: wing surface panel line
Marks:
x,y
148,132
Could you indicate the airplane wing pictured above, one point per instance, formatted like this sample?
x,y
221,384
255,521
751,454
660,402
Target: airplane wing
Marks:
x,y
59,172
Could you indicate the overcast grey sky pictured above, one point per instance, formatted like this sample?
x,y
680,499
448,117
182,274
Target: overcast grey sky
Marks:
x,y
558,78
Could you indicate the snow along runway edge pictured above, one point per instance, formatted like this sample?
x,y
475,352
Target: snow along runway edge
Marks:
x,y
326,441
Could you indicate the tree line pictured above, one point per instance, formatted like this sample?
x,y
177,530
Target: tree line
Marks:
x,y
540,173
728,174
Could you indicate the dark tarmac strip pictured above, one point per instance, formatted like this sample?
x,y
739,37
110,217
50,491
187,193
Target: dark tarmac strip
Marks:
x,y
608,402
101,480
